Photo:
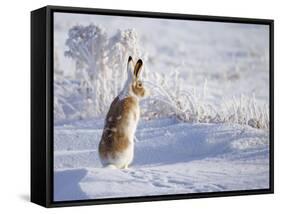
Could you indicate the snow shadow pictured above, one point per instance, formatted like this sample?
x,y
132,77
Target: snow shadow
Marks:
x,y
66,185
189,142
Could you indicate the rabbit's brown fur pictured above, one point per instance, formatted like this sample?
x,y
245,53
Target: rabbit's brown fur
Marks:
x,y
115,130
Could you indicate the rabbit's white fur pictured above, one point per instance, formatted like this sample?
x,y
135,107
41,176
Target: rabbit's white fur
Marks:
x,y
126,90
116,147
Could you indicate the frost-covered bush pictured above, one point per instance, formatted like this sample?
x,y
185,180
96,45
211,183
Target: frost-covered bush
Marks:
x,y
100,62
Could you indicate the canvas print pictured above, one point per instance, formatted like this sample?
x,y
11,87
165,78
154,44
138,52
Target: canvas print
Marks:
x,y
151,106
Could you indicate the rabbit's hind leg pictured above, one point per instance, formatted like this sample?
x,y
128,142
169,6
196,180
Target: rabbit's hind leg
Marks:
x,y
126,166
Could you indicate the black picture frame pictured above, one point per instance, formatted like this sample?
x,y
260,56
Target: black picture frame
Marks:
x,y
42,104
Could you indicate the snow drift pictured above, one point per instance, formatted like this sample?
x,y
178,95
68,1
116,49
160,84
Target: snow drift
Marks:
x,y
170,157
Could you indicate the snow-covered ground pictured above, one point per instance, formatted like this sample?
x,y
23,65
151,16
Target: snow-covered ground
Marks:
x,y
170,157
212,76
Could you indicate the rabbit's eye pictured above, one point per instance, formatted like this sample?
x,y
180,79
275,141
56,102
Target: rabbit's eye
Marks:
x,y
139,84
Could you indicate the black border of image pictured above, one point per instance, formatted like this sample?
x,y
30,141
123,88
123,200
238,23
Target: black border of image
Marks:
x,y
42,122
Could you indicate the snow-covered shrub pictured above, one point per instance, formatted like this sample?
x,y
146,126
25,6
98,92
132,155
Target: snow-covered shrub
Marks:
x,y
100,65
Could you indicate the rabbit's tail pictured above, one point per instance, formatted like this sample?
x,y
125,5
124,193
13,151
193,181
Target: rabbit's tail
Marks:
x,y
110,166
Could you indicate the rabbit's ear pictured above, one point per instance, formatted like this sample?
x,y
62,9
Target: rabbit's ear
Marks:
x,y
130,67
137,69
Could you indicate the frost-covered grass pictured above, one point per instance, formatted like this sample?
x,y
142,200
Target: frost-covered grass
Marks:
x,y
193,107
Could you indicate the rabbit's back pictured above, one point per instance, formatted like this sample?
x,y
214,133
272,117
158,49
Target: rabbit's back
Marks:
x,y
116,145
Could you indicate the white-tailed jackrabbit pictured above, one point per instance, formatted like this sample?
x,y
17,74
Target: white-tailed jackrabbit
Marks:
x,y
116,147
